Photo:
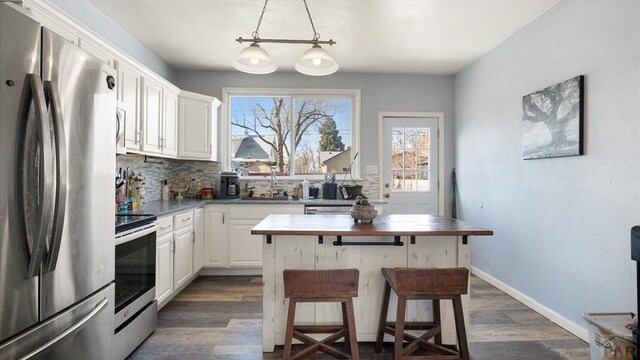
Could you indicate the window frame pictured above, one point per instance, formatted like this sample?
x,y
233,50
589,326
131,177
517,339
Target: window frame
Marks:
x,y
293,94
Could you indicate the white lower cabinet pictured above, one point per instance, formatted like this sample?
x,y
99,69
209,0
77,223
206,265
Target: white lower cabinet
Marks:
x,y
215,236
198,242
164,268
228,242
183,260
245,250
179,252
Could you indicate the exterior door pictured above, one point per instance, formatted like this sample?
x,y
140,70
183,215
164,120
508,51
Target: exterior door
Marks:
x,y
410,165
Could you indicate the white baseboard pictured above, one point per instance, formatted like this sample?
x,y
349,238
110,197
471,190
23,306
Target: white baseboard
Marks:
x,y
563,322
231,272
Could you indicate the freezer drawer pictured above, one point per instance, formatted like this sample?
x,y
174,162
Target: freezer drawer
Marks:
x,y
82,332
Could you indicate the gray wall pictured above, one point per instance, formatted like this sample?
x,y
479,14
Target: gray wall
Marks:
x,y
380,92
561,225
94,19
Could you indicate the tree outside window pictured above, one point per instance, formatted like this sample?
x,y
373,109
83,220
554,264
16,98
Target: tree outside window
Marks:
x,y
295,136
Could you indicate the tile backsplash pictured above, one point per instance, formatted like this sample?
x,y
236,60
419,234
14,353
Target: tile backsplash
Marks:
x,y
176,172
156,170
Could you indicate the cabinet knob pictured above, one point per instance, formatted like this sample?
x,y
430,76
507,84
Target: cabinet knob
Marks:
x,y
386,185
386,196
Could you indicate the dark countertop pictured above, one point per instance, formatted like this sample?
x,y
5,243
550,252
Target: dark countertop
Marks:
x,y
161,208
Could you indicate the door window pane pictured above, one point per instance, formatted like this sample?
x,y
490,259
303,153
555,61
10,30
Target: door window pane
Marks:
x,y
410,152
398,180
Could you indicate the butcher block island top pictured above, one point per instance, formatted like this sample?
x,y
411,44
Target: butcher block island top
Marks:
x,y
383,225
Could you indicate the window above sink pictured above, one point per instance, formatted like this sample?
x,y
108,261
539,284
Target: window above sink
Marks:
x,y
298,132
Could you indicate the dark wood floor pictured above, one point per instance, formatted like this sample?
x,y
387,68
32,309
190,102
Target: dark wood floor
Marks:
x,y
221,317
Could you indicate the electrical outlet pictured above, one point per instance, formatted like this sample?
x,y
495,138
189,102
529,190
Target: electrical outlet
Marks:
x,y
372,169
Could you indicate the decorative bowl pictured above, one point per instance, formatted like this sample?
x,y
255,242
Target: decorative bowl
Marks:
x,y
363,213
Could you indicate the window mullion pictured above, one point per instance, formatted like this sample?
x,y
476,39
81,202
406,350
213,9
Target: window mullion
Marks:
x,y
292,150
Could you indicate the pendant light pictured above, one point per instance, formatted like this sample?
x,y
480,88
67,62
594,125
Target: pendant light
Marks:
x,y
254,60
315,61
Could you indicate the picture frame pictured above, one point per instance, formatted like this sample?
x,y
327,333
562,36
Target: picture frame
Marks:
x,y
553,121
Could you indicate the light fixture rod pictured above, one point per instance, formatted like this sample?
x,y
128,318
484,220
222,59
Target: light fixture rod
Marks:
x,y
286,41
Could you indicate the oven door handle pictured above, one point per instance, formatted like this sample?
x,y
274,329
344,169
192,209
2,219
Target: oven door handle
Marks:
x,y
136,234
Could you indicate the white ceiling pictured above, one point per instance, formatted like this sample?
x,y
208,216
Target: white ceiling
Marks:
x,y
385,36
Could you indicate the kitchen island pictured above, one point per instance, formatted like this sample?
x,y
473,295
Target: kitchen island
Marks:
x,y
335,241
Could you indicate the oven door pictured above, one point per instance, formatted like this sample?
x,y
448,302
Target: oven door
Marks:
x,y
135,272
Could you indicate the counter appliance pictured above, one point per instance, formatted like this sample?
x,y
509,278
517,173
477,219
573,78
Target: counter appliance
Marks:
x,y
227,185
57,158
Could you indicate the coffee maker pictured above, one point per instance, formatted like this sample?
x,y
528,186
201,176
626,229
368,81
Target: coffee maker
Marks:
x,y
227,185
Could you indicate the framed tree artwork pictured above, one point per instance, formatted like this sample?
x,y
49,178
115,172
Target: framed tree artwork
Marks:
x,y
552,120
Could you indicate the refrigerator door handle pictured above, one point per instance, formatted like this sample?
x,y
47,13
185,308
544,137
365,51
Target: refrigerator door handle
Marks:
x,y
70,331
61,176
44,212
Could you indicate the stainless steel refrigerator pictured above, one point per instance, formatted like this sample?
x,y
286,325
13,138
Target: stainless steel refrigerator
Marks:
x,y
57,160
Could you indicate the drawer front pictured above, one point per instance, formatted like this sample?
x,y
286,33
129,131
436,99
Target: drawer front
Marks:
x,y
165,225
259,212
182,219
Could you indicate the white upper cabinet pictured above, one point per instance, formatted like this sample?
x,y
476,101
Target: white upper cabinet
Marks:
x,y
151,116
198,126
170,123
128,98
158,120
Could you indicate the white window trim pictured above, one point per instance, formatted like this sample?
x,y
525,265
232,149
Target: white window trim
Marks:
x,y
225,124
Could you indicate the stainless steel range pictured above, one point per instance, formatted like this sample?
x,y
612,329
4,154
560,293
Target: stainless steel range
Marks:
x,y
57,157
135,263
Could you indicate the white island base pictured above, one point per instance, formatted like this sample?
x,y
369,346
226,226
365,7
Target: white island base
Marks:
x,y
305,252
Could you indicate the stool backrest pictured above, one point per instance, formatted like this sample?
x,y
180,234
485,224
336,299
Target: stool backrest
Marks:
x,y
339,283
453,281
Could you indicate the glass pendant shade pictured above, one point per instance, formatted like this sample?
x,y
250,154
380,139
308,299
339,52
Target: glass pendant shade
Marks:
x,y
254,60
316,62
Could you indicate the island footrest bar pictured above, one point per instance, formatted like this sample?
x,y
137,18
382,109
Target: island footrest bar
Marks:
x,y
396,242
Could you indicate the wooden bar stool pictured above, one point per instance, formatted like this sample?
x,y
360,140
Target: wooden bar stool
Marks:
x,y
424,284
322,286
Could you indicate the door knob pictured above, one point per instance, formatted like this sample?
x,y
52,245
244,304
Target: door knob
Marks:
x,y
386,196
